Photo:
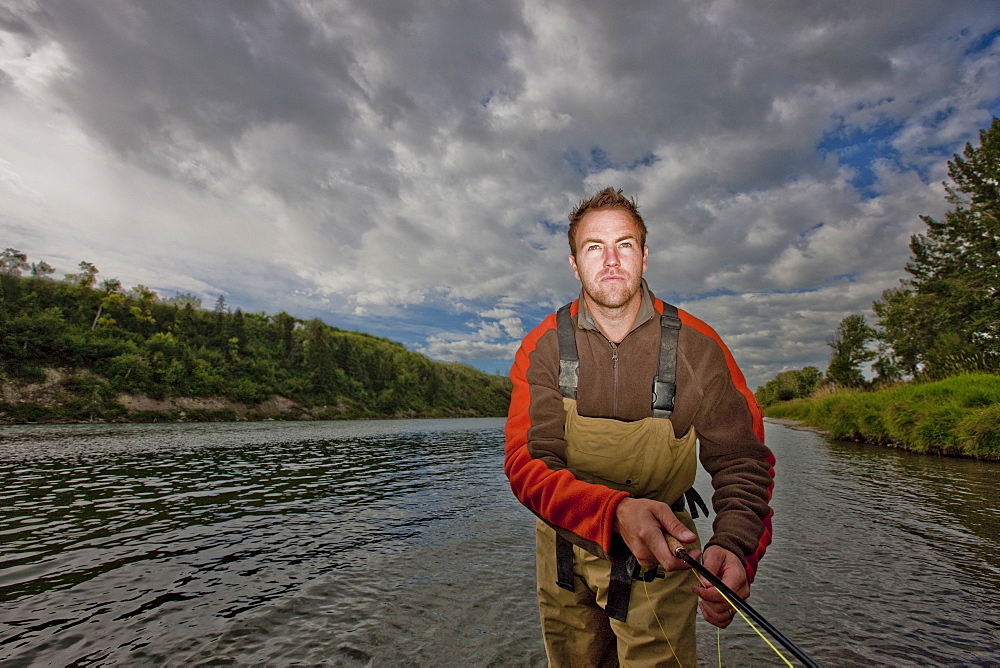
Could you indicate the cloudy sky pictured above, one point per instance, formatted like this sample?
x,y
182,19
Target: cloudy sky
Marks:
x,y
405,168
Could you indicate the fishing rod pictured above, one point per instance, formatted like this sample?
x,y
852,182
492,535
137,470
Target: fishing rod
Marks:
x,y
736,600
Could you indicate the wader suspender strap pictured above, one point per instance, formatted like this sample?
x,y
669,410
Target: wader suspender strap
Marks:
x,y
620,584
665,386
569,375
569,360
564,563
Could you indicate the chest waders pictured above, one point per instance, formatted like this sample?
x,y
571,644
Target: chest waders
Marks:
x,y
646,459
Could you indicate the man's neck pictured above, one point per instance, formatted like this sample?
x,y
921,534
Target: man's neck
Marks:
x,y
614,323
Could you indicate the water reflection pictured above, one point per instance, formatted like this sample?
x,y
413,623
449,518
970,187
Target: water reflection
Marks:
x,y
128,530
890,556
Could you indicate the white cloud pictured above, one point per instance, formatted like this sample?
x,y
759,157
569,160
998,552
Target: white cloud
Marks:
x,y
376,160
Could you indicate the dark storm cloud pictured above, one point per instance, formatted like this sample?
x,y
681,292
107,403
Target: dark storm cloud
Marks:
x,y
360,157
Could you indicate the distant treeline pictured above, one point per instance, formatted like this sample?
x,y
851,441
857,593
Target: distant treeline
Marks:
x,y
107,342
944,319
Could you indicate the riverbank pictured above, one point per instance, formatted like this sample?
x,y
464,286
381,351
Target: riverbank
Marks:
x,y
955,416
65,396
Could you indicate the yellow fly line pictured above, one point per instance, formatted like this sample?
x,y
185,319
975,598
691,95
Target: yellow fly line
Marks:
x,y
719,631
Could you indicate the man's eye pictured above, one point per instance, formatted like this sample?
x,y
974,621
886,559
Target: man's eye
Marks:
x,y
626,244
593,247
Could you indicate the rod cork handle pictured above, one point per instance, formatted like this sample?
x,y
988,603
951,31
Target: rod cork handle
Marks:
x,y
675,545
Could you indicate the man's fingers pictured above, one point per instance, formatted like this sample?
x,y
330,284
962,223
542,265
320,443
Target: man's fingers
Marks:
x,y
668,560
715,560
673,525
727,566
643,523
714,608
709,595
717,615
656,547
672,534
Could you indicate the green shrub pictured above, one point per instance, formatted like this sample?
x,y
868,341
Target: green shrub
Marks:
x,y
958,415
979,432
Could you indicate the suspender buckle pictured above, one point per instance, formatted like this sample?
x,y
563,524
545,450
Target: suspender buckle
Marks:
x,y
663,398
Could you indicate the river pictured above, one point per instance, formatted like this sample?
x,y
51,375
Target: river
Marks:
x,y
398,543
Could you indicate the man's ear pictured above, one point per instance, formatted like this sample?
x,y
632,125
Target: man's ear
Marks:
x,y
576,272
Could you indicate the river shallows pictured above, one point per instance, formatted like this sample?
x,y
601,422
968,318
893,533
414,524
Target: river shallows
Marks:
x,y
398,543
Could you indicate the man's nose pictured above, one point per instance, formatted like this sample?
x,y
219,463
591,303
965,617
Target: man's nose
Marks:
x,y
611,258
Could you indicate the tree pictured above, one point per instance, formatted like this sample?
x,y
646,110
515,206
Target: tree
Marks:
x,y
142,300
850,352
286,332
13,261
184,300
42,269
904,329
114,298
946,317
237,335
789,385
87,276
319,362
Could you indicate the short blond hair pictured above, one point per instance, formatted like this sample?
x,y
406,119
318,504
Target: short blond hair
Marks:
x,y
607,199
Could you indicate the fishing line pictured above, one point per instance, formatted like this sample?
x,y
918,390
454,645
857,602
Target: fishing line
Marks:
x,y
718,636
662,630
751,624
741,606
738,605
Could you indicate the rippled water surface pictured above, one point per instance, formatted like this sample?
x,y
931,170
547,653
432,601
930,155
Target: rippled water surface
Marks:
x,y
397,543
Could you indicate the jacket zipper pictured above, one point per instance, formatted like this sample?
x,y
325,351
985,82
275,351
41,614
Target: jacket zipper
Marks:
x,y
614,363
614,366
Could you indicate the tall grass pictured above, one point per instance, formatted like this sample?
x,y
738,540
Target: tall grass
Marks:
x,y
956,416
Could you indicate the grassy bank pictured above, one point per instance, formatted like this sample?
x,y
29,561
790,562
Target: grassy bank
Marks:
x,y
956,416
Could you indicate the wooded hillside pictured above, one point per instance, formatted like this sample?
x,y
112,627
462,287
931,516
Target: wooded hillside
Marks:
x,y
70,350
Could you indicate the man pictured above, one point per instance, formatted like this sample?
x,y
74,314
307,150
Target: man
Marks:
x,y
610,396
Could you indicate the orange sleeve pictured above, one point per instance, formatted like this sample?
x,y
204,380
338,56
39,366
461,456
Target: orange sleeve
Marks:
x,y
534,451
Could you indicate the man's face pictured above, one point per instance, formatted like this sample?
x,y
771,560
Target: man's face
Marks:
x,y
609,261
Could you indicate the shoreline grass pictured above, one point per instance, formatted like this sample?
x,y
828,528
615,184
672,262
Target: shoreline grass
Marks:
x,y
956,416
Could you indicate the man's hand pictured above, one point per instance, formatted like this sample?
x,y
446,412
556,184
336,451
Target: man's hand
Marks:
x,y
728,568
642,523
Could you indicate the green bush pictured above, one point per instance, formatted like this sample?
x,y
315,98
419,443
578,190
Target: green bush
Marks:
x,y
979,432
958,415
